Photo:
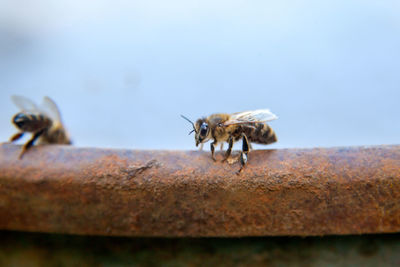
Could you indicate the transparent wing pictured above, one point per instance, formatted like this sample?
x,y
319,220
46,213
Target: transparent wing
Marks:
x,y
24,103
253,116
51,109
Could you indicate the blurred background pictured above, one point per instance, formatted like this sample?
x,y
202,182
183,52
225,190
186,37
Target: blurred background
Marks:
x,y
123,71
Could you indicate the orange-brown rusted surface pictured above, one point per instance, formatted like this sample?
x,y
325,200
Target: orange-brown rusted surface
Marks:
x,y
184,193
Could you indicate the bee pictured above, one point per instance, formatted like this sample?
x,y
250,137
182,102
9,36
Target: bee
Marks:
x,y
43,122
250,126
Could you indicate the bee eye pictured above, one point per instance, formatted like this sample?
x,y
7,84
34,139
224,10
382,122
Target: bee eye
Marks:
x,y
203,129
20,119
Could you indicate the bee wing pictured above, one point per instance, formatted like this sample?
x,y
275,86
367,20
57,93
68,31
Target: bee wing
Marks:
x,y
51,109
24,103
253,116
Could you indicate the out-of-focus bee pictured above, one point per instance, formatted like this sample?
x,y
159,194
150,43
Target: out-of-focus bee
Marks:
x,y
43,122
250,126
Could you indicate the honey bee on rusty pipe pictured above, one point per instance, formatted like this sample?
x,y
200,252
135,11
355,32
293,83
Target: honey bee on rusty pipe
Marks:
x,y
43,122
250,126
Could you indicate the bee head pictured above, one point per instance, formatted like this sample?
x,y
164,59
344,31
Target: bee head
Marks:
x,y
20,120
201,130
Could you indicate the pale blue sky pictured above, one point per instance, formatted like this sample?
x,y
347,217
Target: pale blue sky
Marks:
x,y
123,71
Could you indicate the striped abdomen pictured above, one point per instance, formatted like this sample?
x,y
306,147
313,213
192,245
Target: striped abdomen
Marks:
x,y
28,122
260,133
55,135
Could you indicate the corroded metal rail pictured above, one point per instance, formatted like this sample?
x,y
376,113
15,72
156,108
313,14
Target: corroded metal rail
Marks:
x,y
184,193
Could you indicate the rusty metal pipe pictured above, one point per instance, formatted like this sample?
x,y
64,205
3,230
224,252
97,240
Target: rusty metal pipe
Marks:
x,y
303,192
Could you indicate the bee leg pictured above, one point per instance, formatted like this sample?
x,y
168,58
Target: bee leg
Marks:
x,y
221,146
201,147
26,146
229,150
212,146
243,154
16,136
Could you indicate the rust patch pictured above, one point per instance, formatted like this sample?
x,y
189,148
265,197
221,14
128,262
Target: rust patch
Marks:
x,y
95,191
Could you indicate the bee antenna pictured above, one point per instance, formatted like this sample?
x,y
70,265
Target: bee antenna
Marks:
x,y
194,129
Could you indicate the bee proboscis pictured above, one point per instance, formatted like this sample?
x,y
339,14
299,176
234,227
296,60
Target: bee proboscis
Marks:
x,y
44,122
250,126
